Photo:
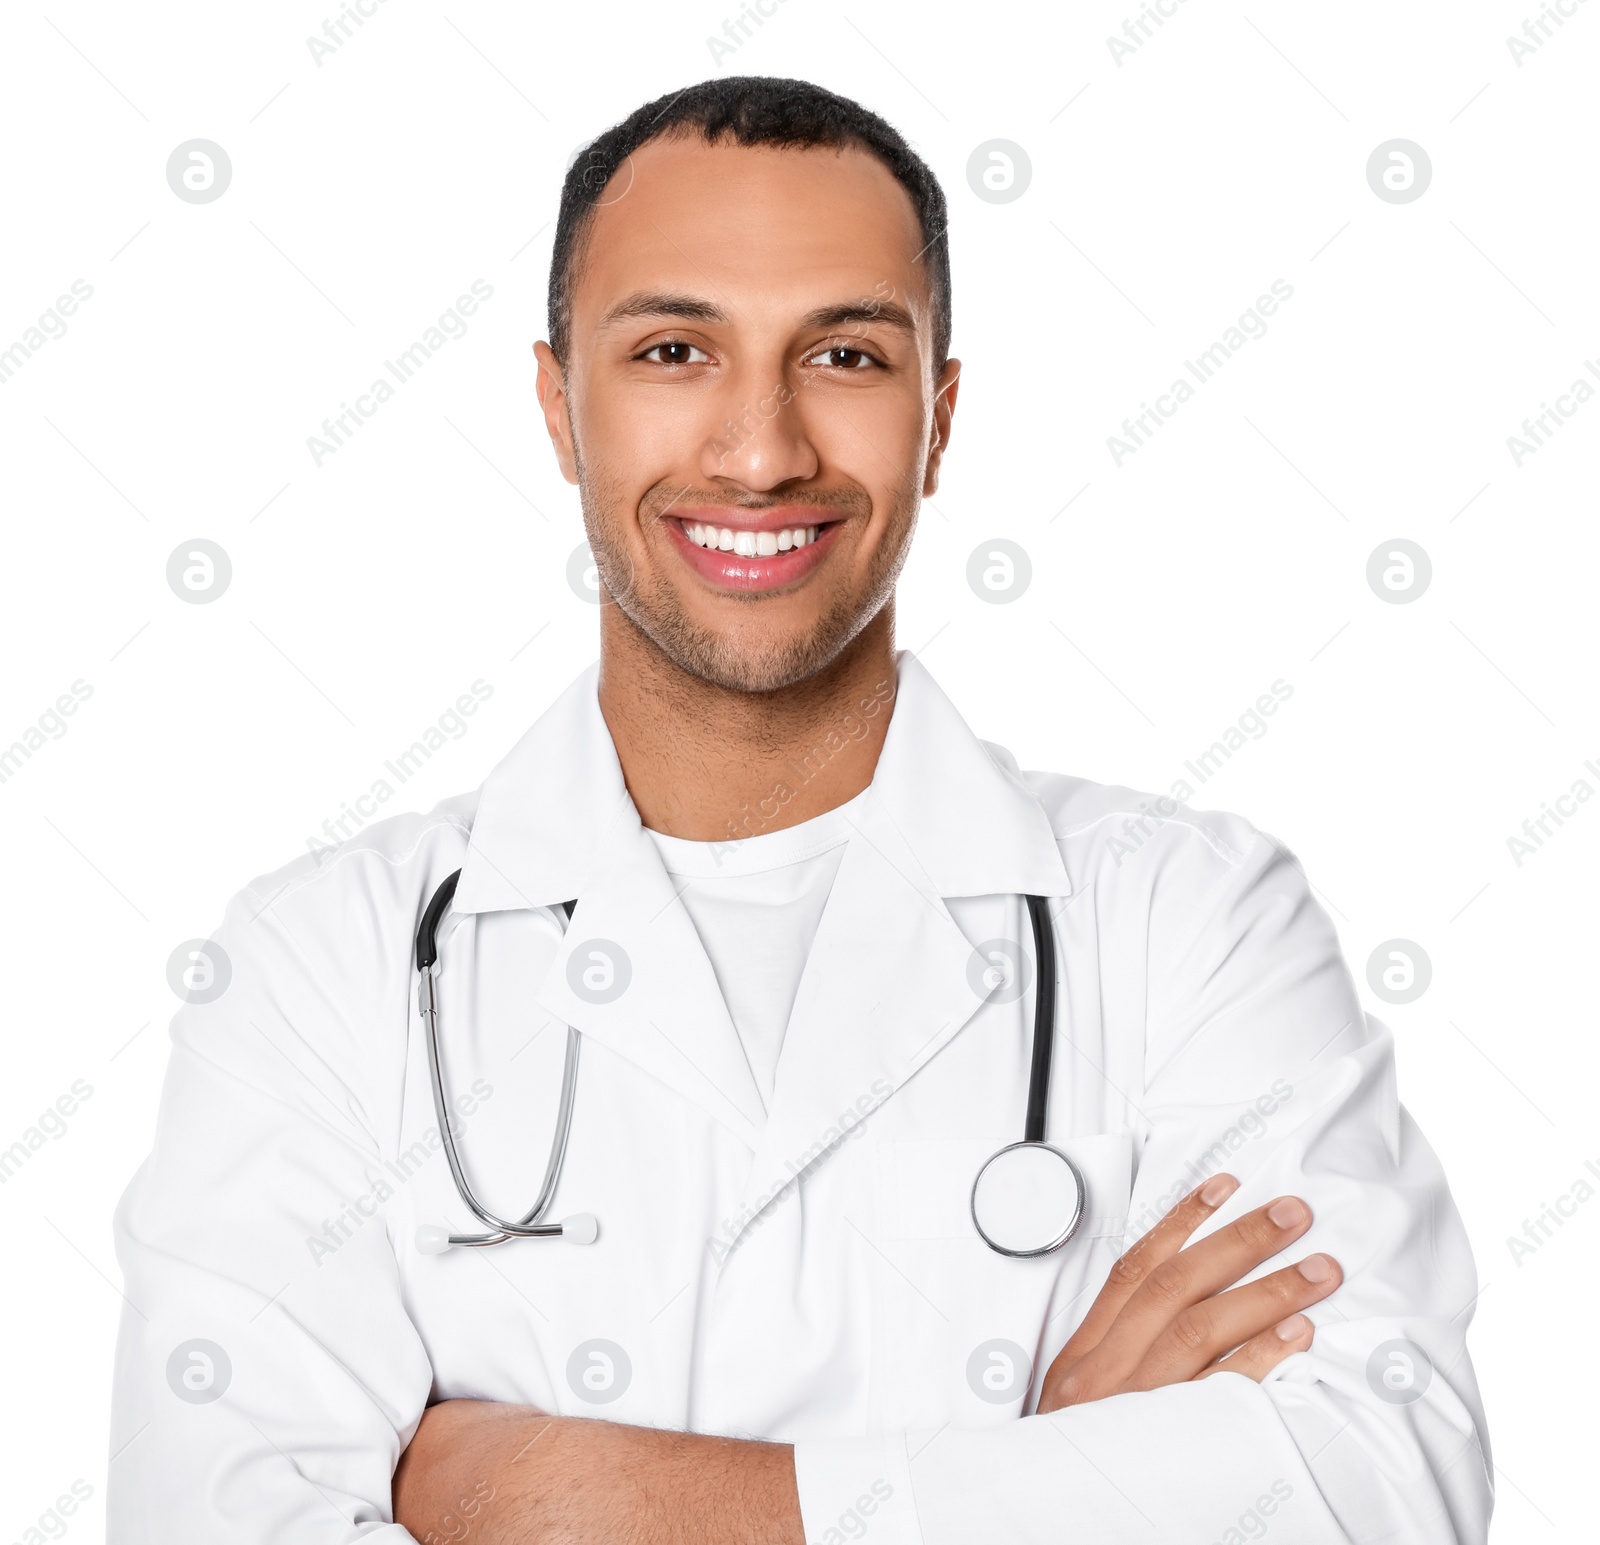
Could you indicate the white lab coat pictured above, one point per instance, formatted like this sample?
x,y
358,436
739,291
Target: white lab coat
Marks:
x,y
813,1276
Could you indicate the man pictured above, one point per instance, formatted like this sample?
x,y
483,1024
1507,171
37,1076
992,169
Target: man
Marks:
x,y
798,967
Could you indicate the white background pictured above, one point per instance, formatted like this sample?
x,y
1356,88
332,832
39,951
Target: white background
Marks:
x,y
1167,193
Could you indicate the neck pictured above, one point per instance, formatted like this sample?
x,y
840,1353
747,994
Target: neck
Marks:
x,y
715,765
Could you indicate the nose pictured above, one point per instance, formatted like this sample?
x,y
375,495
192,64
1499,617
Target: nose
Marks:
x,y
760,440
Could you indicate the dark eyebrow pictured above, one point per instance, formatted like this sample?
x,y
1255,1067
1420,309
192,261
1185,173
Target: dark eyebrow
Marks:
x,y
690,308
663,303
885,312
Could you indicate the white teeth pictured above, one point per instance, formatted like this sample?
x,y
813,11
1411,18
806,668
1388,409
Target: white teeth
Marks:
x,y
750,544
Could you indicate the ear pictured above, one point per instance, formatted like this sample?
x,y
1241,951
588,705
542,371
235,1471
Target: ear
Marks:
x,y
944,407
551,389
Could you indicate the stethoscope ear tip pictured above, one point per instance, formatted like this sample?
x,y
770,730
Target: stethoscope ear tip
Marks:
x,y
582,1228
433,1239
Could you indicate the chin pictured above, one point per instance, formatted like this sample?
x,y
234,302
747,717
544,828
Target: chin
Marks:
x,y
742,659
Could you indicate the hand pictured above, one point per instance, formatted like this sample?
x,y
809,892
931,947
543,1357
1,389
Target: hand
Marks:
x,y
1163,1316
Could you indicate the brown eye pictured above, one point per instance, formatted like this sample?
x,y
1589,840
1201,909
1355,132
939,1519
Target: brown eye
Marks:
x,y
675,352
841,357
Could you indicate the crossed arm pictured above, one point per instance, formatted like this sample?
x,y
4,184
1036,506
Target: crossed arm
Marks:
x,y
1168,1312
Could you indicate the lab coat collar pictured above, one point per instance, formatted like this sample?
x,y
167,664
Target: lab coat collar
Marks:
x,y
550,812
546,809
888,982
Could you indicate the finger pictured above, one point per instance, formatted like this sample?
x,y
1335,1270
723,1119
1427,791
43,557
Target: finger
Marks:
x,y
1136,1263
1205,1331
1199,1272
1262,1353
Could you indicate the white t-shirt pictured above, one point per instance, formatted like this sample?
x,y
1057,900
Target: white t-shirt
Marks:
x,y
756,904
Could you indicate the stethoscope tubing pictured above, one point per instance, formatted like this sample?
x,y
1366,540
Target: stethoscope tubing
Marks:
x,y
1044,1019
529,1226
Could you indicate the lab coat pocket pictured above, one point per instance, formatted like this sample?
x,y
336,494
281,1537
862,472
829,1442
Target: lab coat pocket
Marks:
x,y
949,1311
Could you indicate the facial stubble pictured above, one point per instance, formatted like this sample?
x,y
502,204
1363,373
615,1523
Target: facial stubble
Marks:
x,y
730,660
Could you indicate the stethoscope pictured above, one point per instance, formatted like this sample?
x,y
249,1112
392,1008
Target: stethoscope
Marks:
x,y
1027,1199
434,1238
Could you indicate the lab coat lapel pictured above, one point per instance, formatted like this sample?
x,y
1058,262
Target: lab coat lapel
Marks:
x,y
554,822
886,984
632,975
890,978
885,987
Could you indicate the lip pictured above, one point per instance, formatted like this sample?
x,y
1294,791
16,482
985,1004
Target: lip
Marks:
x,y
730,571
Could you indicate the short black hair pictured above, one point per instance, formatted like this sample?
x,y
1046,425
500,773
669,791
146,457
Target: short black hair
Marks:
x,y
749,110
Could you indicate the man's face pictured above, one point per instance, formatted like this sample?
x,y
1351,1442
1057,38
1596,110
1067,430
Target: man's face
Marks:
x,y
749,406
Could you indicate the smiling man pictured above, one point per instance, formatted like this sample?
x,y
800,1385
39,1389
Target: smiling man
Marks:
x,y
815,943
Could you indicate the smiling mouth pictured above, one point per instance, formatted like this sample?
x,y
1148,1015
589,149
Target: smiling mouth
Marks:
x,y
758,550
743,543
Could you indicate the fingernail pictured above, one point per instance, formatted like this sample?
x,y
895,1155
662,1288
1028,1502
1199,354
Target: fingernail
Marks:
x,y
1316,1268
1287,1212
1293,1328
1218,1189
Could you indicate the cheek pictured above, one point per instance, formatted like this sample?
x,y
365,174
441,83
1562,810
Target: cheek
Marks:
x,y
642,437
876,441
872,437
623,453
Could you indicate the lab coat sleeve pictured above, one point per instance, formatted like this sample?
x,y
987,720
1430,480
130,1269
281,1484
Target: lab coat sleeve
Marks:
x,y
267,1373
1257,1060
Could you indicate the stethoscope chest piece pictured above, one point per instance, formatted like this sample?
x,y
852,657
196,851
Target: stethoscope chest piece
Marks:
x,y
1028,1199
